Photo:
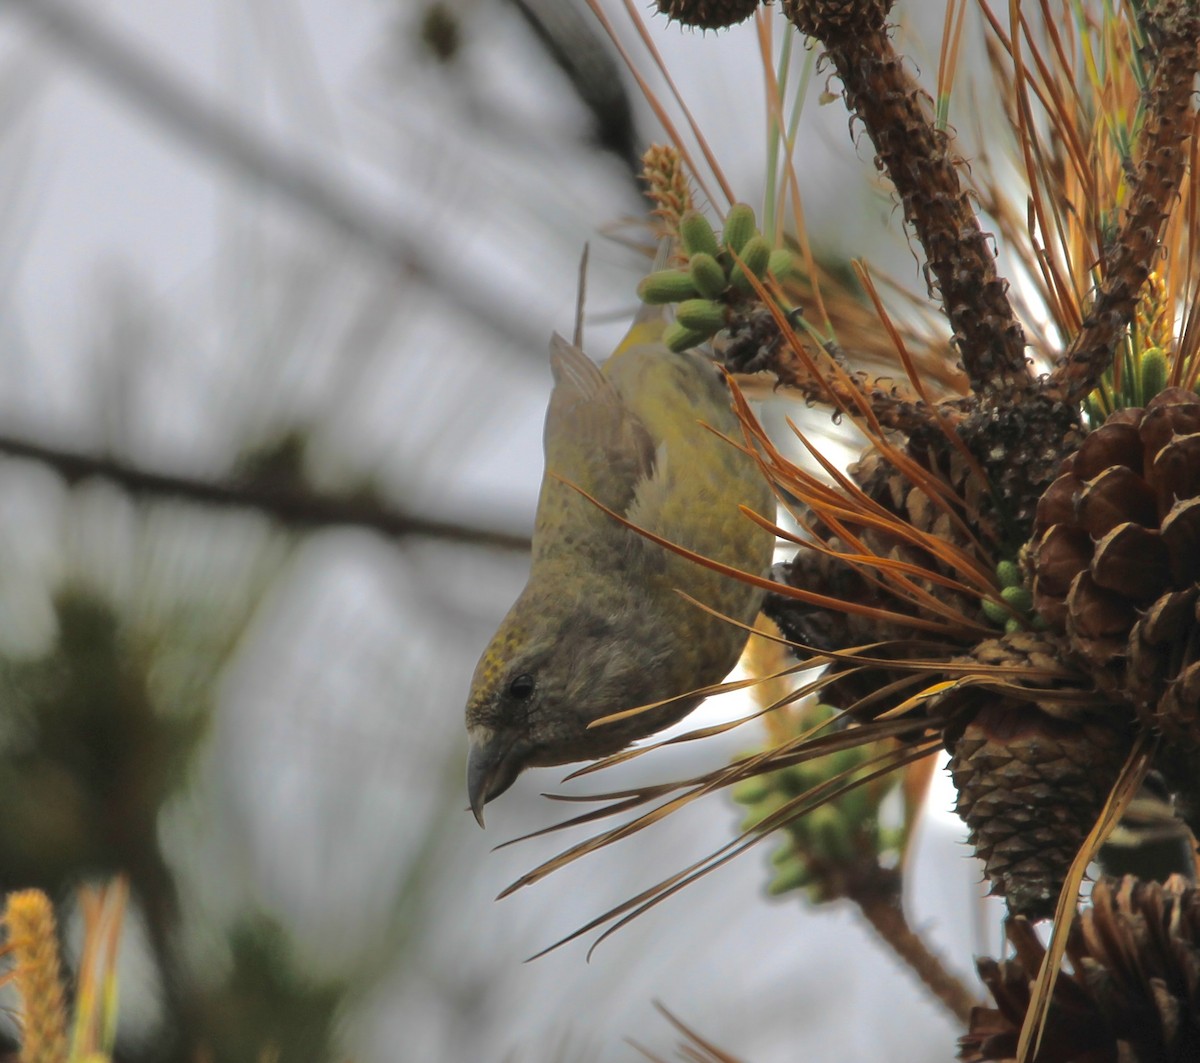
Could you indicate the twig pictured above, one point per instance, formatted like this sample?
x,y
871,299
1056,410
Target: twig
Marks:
x,y
1173,31
887,918
756,343
289,505
877,892
917,156
890,408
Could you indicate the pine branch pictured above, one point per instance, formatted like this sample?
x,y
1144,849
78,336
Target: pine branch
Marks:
x,y
1173,32
290,505
917,156
887,919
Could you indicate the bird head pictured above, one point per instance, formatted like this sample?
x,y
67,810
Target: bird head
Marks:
x,y
548,673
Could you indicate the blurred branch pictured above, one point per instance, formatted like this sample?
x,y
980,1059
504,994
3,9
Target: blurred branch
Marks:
x,y
886,917
588,62
306,183
290,505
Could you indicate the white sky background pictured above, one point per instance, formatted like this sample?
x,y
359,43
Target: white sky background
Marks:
x,y
330,760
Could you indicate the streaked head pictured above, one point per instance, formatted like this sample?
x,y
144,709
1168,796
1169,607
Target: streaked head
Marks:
x,y
543,679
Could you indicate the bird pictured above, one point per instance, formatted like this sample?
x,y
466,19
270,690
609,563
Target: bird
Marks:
x,y
603,624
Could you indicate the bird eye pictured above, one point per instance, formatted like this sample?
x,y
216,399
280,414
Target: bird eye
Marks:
x,y
521,687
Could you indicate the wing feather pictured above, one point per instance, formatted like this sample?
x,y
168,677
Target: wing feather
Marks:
x,y
592,439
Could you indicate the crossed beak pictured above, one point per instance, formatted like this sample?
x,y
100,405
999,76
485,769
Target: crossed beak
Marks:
x,y
494,760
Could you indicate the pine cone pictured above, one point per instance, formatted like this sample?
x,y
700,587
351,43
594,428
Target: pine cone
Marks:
x,y
1164,666
708,14
1032,770
832,19
1116,558
888,487
834,629
1133,994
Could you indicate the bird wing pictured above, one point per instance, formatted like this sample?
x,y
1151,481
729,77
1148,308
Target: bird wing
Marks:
x,y
593,441
679,398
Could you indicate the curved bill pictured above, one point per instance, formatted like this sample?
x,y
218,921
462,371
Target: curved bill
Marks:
x,y
493,763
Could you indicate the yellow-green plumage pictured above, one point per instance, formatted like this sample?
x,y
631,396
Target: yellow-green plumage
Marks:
x,y
600,627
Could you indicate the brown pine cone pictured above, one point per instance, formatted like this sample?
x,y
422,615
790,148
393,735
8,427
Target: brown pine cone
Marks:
x,y
708,14
825,628
1116,558
1133,993
1033,762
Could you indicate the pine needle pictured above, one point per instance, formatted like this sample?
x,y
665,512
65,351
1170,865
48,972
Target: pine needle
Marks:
x,y
1127,784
